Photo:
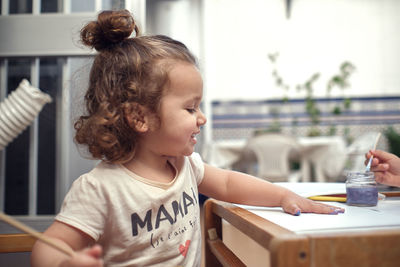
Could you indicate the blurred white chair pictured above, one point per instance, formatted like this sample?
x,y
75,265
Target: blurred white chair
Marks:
x,y
328,158
268,156
357,149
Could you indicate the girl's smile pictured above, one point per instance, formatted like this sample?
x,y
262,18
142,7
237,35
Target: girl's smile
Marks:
x,y
194,137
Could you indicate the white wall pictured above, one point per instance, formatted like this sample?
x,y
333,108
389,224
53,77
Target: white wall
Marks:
x,y
318,37
179,19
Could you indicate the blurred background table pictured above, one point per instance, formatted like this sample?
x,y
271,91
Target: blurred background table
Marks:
x,y
224,153
326,155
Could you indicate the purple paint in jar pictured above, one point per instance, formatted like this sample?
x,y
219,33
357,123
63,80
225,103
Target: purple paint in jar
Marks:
x,y
361,189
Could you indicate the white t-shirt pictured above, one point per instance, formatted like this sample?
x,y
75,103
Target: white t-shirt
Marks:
x,y
139,222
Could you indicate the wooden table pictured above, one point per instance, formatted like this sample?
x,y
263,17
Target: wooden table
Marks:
x,y
377,245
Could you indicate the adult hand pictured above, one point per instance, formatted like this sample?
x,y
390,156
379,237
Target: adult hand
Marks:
x,y
386,167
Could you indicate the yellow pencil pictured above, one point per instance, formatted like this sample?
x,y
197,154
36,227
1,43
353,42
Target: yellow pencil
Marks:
x,y
328,198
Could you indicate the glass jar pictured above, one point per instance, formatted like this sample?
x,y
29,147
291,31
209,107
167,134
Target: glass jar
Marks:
x,y
361,189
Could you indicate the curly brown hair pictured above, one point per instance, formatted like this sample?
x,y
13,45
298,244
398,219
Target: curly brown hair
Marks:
x,y
126,72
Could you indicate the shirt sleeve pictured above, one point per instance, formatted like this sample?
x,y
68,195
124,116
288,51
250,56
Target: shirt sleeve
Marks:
x,y
198,166
85,207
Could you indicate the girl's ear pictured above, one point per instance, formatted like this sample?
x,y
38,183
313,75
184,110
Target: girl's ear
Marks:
x,y
137,117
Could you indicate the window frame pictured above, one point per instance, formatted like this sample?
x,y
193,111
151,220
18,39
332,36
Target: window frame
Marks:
x,y
44,43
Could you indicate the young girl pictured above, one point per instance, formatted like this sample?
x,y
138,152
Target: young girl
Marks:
x,y
140,204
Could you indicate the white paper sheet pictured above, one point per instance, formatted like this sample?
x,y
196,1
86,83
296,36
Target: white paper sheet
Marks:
x,y
385,215
315,189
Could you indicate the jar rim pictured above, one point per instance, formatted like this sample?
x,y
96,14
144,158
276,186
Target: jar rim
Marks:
x,y
359,173
360,177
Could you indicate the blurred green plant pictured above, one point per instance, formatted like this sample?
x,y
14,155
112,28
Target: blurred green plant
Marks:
x,y
340,81
393,138
279,82
275,126
311,106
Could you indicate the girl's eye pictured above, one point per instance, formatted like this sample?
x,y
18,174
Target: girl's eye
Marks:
x,y
191,110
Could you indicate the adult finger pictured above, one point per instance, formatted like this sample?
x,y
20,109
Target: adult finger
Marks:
x,y
380,167
374,162
379,177
384,178
383,155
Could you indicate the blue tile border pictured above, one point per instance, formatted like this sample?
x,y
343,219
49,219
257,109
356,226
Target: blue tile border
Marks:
x,y
239,119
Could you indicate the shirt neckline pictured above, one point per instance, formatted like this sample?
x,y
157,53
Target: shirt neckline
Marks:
x,y
144,180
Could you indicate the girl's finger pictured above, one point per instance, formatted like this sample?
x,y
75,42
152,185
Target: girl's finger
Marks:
x,y
95,251
326,209
293,209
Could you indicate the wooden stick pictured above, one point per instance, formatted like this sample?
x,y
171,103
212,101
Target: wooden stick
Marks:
x,y
376,140
372,156
24,228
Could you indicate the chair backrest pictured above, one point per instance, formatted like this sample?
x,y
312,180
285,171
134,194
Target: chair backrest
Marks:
x,y
362,143
357,149
330,160
273,152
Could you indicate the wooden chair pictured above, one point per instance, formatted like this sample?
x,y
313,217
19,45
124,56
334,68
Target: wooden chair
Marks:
x,y
10,243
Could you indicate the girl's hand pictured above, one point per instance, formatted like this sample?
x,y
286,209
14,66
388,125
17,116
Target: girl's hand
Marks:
x,y
295,205
88,257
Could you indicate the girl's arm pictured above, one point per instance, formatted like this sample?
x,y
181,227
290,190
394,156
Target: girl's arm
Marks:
x,y
72,239
245,189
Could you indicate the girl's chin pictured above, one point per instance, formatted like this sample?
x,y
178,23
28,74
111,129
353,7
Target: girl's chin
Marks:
x,y
189,152
185,153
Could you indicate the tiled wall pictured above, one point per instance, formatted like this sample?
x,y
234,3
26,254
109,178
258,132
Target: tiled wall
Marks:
x,y
239,119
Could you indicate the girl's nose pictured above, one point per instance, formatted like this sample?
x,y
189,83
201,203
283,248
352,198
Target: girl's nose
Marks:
x,y
201,119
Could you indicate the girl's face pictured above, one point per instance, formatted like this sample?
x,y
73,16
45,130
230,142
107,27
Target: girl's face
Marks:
x,y
180,114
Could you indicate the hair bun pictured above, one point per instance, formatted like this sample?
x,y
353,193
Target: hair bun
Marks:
x,y
111,27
